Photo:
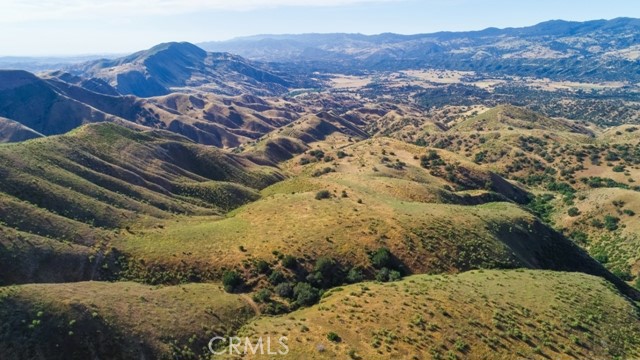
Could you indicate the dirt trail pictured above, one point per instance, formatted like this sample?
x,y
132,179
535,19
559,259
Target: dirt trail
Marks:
x,y
251,303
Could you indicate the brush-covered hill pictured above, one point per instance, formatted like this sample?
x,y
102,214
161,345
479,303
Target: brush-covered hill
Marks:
x,y
585,178
475,315
119,320
507,117
65,197
346,203
183,220
485,314
173,66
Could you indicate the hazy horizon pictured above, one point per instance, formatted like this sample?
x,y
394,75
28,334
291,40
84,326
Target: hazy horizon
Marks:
x,y
57,28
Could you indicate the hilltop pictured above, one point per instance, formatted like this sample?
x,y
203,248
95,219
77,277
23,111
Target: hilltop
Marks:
x,y
167,67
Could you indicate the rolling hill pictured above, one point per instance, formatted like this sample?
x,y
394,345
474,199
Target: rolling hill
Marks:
x,y
63,198
153,201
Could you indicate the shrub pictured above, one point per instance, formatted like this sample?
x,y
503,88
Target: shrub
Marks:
x,y
629,212
622,274
333,337
355,275
394,275
323,194
638,283
601,257
290,262
573,212
305,294
382,275
618,168
597,223
232,281
277,277
325,265
262,296
318,154
381,258
611,222
315,279
263,267
341,154
284,290
579,237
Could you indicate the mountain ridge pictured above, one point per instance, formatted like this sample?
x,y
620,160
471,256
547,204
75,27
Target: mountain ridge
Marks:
x,y
556,49
164,67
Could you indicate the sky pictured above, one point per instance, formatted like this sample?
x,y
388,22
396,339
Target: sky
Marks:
x,y
80,27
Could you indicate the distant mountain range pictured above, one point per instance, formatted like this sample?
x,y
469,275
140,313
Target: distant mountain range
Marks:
x,y
593,50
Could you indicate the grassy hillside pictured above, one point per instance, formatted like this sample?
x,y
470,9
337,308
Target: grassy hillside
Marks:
x,y
85,187
115,320
475,315
375,194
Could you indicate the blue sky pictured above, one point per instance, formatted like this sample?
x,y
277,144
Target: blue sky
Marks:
x,y
71,27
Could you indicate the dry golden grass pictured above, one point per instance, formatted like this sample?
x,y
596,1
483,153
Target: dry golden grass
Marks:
x,y
475,315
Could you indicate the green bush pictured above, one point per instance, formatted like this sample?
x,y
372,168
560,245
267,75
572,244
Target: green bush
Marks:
x,y
290,262
394,275
611,222
263,267
262,296
305,294
232,281
382,258
355,275
573,212
284,290
622,274
333,337
277,277
323,194
383,275
325,265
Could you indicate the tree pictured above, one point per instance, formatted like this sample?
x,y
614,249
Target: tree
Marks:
x,y
277,277
382,258
305,294
232,281
284,290
355,275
